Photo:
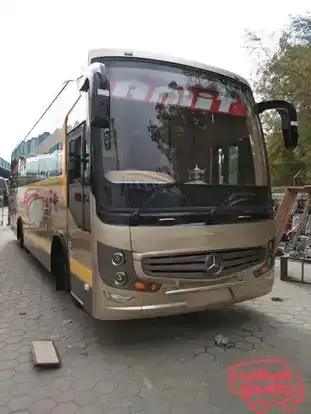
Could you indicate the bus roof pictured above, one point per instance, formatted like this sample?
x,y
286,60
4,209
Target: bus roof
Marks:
x,y
95,53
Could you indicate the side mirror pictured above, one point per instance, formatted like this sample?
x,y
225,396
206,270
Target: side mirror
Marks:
x,y
288,115
96,83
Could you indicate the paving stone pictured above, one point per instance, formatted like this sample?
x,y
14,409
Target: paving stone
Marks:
x,y
19,403
4,399
105,387
61,383
66,407
61,396
8,364
83,398
6,375
83,384
5,385
9,355
91,409
42,406
21,389
24,367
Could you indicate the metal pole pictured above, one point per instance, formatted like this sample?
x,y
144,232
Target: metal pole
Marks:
x,y
2,206
295,177
284,268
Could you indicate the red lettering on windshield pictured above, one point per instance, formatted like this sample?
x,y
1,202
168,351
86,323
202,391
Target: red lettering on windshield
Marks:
x,y
180,96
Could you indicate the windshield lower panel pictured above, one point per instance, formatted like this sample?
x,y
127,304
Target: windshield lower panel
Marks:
x,y
183,218
187,204
171,123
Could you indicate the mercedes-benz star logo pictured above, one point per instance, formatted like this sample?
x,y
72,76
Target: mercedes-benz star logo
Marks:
x,y
214,264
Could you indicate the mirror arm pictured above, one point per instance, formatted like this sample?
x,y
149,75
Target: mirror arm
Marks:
x,y
282,107
288,114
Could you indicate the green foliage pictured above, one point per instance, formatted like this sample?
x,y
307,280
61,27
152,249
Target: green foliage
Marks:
x,y
285,73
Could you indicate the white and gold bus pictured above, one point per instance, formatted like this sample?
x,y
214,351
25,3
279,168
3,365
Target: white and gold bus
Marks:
x,y
145,187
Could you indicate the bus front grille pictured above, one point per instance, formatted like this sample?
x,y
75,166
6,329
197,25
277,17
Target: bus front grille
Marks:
x,y
193,265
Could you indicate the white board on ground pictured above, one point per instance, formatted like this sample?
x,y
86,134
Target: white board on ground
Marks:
x,y
45,354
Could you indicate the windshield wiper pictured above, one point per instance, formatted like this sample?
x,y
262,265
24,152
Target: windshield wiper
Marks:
x,y
212,212
223,204
136,214
228,202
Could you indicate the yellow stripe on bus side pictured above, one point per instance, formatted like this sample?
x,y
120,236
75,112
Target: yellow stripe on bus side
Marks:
x,y
84,273
47,182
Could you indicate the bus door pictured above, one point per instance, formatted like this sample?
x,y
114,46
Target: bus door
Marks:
x,y
78,223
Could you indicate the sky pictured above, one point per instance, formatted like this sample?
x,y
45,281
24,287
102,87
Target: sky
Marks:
x,y
43,43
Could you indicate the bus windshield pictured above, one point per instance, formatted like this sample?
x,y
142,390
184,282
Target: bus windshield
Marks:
x,y
171,123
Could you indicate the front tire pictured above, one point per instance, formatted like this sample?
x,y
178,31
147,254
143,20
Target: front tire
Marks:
x,y
20,234
61,270
60,266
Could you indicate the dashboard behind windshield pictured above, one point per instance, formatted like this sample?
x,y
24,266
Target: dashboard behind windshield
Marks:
x,y
173,123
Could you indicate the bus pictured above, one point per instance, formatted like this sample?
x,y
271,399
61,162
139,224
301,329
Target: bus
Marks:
x,y
145,188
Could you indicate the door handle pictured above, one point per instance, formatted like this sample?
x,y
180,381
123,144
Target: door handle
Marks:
x,y
78,197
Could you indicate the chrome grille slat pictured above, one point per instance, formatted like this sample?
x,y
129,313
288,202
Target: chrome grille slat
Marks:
x,y
233,254
240,260
192,265
178,259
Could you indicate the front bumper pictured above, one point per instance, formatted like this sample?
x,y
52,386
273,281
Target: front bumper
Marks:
x,y
180,301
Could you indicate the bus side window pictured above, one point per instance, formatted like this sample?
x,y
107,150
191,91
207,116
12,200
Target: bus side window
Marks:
x,y
86,186
75,188
74,165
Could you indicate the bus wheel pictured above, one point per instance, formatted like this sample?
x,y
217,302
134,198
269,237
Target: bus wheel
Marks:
x,y
60,265
20,233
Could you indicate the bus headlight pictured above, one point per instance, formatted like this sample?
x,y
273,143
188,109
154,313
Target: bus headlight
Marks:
x,y
121,279
115,297
118,259
269,262
271,253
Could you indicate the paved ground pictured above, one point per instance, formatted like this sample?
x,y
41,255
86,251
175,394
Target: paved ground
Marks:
x,y
164,366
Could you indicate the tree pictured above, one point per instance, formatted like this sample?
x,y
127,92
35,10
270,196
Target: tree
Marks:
x,y
285,73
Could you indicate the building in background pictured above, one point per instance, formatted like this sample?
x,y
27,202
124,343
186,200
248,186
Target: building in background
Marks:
x,y
4,168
